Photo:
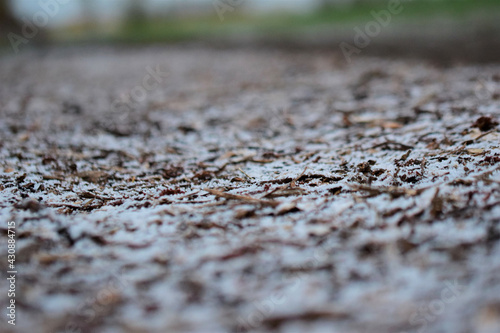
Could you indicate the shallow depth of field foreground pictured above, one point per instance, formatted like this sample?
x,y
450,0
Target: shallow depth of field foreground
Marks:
x,y
190,189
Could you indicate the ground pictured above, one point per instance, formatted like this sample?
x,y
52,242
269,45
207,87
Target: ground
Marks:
x,y
192,189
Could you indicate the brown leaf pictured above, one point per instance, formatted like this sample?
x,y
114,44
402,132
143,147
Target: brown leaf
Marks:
x,y
94,176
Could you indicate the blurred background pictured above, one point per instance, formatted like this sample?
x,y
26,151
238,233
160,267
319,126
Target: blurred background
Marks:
x,y
441,29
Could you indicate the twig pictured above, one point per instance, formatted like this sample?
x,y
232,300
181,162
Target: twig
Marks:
x,y
243,198
292,184
90,195
402,146
284,187
246,175
422,165
485,134
246,159
393,191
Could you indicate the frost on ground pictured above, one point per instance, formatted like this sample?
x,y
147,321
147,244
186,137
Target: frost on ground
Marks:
x,y
248,190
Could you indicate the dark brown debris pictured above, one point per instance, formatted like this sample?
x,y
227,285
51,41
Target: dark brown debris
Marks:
x,y
485,123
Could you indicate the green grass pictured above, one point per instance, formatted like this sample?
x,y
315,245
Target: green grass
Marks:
x,y
280,24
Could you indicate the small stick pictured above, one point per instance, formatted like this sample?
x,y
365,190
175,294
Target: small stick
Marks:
x,y
243,198
246,175
390,142
292,184
90,195
484,134
422,165
284,187
393,191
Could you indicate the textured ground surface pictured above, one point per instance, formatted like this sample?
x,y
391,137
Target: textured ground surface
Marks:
x,y
250,190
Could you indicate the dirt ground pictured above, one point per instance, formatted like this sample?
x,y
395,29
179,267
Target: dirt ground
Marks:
x,y
189,189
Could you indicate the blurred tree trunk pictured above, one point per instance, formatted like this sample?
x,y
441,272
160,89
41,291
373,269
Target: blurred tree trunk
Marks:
x,y
136,11
11,29
8,22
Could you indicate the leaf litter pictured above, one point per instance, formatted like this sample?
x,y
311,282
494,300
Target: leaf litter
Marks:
x,y
201,209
